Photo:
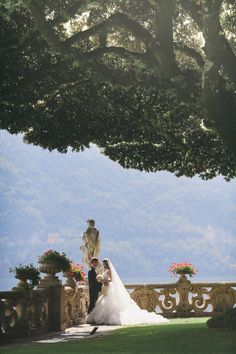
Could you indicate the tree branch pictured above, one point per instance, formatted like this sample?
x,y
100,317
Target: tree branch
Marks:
x,y
121,20
43,26
67,13
120,51
219,105
118,20
165,35
190,52
194,10
223,54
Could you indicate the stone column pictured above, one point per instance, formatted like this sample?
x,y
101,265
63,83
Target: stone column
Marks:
x,y
56,305
56,308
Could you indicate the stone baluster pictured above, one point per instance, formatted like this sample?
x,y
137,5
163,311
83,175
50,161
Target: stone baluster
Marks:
x,y
76,305
184,298
53,307
184,286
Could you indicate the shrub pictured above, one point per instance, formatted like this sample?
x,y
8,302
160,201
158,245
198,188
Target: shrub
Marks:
x,y
28,273
226,320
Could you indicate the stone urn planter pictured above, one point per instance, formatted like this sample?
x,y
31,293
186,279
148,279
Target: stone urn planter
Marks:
x,y
21,285
182,276
183,280
50,269
50,263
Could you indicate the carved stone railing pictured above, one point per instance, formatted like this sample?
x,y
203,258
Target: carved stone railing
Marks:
x,y
76,305
180,299
56,307
23,313
183,298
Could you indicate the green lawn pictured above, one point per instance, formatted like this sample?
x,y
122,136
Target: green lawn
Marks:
x,y
179,336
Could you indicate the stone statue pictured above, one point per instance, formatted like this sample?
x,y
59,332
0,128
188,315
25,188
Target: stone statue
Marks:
x,y
91,243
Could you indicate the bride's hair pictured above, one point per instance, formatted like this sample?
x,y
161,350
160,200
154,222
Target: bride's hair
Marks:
x,y
105,262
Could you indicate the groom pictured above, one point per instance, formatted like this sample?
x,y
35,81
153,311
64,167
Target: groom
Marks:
x,y
94,285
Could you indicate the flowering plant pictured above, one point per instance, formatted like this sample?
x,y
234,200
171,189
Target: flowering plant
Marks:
x,y
183,268
27,272
76,271
55,256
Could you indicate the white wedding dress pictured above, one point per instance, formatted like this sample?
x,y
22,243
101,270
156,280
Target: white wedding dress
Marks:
x,y
115,306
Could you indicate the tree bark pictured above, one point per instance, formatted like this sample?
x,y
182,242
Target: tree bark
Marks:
x,y
165,36
219,103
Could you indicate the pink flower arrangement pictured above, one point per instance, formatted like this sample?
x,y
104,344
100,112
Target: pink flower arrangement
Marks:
x,y
76,271
183,268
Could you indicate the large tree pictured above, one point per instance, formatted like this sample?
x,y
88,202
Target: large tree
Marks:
x,y
151,82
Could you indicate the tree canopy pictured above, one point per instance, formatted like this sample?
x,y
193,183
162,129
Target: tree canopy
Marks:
x,y
150,82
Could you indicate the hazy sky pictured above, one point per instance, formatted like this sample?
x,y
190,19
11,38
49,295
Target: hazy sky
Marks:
x,y
146,221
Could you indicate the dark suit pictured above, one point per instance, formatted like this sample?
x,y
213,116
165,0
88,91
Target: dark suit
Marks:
x,y
94,288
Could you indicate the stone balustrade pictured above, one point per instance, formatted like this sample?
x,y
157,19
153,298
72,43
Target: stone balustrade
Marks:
x,y
184,298
23,313
56,307
76,305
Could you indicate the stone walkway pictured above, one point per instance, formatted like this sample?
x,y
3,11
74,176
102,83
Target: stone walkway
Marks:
x,y
82,331
79,332
73,333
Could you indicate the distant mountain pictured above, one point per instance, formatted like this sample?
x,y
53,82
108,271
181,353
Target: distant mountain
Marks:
x,y
146,221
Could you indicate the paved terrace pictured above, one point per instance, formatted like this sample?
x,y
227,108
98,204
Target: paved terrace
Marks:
x,y
83,331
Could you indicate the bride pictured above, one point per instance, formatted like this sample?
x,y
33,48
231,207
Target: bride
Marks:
x,y
115,306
